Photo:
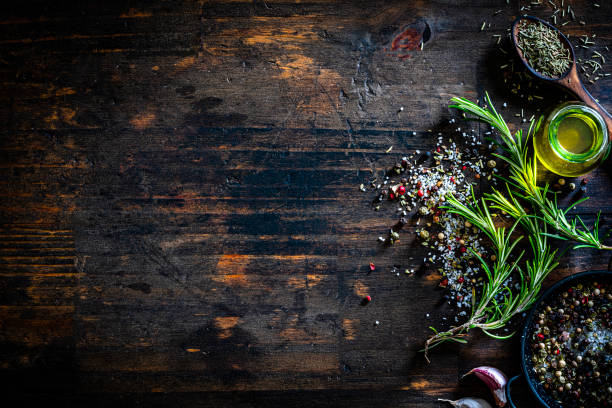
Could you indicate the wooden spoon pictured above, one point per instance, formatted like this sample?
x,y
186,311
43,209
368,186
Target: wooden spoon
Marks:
x,y
570,80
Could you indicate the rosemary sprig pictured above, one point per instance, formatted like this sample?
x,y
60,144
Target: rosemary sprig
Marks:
x,y
523,177
498,302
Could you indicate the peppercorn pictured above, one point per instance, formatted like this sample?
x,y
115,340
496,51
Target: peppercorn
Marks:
x,y
561,182
491,164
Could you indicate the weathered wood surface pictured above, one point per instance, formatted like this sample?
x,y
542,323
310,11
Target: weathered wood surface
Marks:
x,y
181,220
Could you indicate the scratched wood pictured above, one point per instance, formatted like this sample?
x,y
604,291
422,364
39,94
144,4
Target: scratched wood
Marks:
x,y
180,216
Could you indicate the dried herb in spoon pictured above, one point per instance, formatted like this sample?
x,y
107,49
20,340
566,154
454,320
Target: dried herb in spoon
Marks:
x,y
543,49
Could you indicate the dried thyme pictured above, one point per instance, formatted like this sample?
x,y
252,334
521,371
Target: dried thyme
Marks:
x,y
543,49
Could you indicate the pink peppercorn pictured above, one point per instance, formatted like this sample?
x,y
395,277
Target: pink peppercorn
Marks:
x,y
460,279
463,249
401,190
391,196
420,193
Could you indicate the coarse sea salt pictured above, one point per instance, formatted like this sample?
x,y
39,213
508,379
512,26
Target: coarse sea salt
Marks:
x,y
428,177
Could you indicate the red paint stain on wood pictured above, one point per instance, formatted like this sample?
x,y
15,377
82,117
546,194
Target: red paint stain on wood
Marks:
x,y
407,40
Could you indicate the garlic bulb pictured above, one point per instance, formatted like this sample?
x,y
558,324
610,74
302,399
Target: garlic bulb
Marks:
x,y
468,402
495,380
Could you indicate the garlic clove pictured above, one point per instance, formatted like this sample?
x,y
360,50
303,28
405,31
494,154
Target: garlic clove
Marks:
x,y
495,380
468,402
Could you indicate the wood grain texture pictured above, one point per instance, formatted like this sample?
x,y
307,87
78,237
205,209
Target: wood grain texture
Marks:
x,y
181,219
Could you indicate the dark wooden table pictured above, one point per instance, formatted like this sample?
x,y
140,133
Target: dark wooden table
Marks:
x,y
181,218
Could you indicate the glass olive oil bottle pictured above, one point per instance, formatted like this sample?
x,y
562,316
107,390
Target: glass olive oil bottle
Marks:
x,y
572,140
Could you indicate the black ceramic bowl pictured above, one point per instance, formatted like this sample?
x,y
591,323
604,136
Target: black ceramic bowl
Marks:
x,y
526,352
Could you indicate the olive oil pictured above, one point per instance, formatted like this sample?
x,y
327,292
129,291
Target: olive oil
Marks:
x,y
576,133
571,140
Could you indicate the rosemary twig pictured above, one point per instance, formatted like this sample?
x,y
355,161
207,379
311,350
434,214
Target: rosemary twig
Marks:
x,y
499,302
523,176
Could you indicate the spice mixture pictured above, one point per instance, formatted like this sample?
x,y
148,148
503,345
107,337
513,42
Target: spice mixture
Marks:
x,y
572,346
543,49
418,186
